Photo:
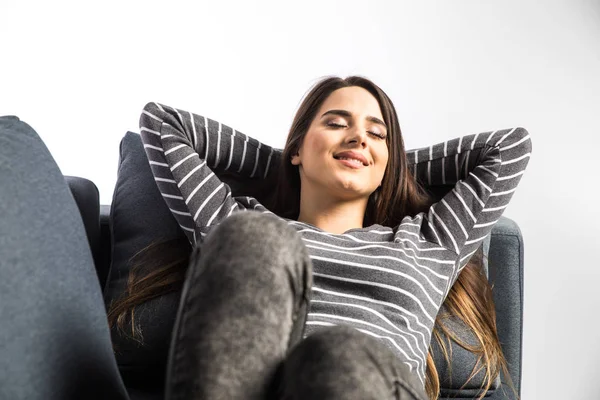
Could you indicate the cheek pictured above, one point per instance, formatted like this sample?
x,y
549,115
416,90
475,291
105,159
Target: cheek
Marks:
x,y
383,160
314,148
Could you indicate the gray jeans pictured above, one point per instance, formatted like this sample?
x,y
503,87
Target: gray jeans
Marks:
x,y
239,328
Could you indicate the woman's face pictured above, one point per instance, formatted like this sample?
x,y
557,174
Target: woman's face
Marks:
x,y
361,134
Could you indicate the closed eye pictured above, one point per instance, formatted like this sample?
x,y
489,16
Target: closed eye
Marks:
x,y
378,135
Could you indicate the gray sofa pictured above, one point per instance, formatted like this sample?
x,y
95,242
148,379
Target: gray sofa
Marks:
x,y
505,273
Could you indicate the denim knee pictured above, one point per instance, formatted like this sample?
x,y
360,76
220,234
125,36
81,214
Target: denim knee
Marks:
x,y
264,231
259,241
342,362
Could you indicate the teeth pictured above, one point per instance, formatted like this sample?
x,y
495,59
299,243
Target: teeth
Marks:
x,y
351,159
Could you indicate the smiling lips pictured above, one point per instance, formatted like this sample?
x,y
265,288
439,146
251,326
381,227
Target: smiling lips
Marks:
x,y
352,159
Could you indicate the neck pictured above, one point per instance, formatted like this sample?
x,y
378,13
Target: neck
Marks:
x,y
330,214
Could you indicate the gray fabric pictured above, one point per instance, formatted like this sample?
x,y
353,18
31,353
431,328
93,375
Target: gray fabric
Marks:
x,y
54,339
243,308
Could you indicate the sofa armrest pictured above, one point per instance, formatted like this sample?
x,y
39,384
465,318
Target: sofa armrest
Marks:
x,y
506,263
87,198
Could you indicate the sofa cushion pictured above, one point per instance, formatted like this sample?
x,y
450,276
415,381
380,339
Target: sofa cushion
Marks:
x,y
139,217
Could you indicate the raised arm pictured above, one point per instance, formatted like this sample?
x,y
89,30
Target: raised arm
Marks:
x,y
184,150
485,170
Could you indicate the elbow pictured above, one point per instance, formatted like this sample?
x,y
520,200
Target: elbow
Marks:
x,y
522,140
152,108
151,114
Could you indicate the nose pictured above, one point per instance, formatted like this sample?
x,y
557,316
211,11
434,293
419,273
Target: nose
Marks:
x,y
358,135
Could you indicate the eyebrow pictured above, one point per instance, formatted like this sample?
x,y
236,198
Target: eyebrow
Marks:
x,y
345,113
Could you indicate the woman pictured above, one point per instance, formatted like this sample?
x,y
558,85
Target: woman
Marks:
x,y
383,259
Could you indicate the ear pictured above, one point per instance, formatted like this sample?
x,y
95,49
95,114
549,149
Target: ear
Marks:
x,y
295,159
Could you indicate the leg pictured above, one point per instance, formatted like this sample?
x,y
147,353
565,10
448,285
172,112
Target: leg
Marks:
x,y
244,303
54,337
343,363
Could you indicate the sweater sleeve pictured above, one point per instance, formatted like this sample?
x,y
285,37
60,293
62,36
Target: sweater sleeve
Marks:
x,y
485,170
184,151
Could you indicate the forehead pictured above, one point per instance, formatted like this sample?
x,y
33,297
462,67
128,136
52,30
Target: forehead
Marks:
x,y
354,99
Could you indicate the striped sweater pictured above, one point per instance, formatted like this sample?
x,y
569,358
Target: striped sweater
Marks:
x,y
388,282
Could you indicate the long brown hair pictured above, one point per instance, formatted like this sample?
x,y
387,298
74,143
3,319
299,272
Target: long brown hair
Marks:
x,y
469,300
400,195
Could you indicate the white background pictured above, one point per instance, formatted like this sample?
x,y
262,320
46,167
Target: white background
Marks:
x,y
80,75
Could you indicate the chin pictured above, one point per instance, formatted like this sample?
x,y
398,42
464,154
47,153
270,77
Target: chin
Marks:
x,y
351,190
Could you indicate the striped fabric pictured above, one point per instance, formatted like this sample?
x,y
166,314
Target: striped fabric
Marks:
x,y
388,282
